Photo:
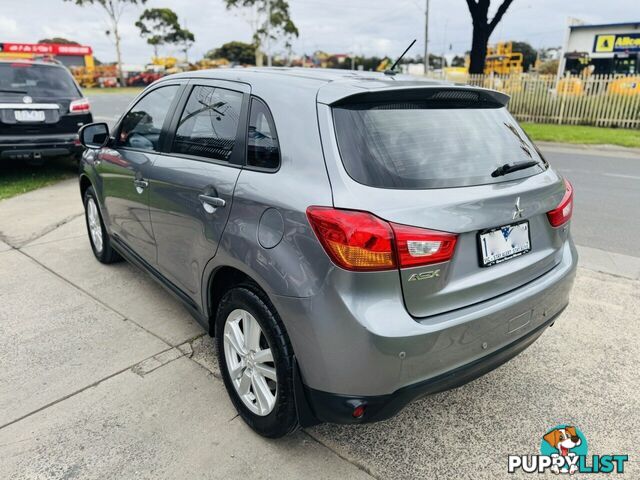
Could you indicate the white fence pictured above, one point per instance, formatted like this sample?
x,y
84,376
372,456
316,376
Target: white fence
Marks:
x,y
599,100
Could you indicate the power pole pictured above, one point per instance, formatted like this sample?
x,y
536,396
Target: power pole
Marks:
x,y
426,38
268,33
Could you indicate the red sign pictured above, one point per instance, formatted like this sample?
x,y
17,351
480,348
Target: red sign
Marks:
x,y
46,48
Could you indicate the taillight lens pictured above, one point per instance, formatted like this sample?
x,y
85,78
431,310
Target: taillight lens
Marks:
x,y
354,240
361,241
562,213
80,106
417,246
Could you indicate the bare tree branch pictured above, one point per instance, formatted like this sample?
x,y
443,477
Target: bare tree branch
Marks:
x,y
499,14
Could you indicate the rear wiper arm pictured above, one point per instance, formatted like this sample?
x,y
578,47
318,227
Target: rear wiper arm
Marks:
x,y
513,167
12,91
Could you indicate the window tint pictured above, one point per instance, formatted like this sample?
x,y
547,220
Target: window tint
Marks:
x,y
37,80
262,144
141,127
412,146
209,123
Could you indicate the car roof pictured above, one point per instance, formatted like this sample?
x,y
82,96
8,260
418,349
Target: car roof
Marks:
x,y
32,61
326,85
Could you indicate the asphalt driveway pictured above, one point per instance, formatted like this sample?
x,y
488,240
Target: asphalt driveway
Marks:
x,y
103,375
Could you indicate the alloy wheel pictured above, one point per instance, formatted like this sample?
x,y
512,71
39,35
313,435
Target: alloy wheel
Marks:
x,y
250,363
95,228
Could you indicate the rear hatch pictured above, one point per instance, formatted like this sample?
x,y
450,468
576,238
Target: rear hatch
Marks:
x,y
36,99
425,158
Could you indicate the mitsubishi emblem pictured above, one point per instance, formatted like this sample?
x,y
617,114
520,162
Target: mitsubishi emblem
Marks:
x,y
517,213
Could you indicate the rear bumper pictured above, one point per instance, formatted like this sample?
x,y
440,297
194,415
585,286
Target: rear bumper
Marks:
x,y
38,146
356,342
334,408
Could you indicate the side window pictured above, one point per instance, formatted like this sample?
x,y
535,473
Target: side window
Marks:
x,y
141,127
209,123
262,144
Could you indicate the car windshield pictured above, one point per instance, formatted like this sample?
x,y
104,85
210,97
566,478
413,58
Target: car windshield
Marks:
x,y
411,145
36,80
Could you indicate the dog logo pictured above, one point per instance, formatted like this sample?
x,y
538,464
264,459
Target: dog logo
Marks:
x,y
565,442
563,450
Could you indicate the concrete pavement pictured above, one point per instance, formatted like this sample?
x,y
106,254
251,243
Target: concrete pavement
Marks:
x,y
103,375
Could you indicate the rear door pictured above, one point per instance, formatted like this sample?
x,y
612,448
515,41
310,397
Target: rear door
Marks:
x,y
125,169
192,182
425,159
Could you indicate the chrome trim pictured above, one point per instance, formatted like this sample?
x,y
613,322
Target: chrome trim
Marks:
x,y
29,106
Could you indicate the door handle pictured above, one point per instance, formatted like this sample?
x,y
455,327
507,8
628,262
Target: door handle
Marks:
x,y
140,183
211,203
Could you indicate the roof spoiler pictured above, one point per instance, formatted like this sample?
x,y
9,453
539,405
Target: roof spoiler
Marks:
x,y
442,96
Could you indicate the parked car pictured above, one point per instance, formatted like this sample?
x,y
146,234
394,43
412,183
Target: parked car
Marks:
x,y
41,110
354,241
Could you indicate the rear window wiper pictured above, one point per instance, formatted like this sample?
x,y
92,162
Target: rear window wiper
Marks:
x,y
12,91
513,167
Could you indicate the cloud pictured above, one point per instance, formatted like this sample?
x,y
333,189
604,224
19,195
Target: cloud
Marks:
x,y
371,27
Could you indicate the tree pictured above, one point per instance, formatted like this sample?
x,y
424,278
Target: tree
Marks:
x,y
457,61
235,52
529,54
114,10
273,21
184,38
156,25
482,30
58,40
550,67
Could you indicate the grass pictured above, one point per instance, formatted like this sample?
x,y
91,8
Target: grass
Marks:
x,y
580,134
17,177
97,91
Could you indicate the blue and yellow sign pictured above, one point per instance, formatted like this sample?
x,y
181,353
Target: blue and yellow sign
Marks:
x,y
620,42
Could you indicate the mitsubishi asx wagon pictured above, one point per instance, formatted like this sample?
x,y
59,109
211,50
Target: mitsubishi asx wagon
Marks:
x,y
353,241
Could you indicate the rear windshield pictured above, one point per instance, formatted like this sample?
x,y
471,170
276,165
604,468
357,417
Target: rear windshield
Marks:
x,y
409,145
36,80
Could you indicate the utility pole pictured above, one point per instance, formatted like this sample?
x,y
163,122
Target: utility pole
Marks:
x,y
426,38
268,33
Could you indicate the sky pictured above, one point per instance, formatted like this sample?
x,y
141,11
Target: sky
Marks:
x,y
363,27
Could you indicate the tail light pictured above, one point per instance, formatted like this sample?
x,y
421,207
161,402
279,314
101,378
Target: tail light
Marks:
x,y
562,213
80,106
417,246
361,241
354,240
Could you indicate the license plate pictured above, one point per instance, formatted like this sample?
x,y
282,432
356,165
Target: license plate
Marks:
x,y
29,115
502,243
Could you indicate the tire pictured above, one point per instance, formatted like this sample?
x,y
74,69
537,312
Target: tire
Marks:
x,y
269,420
99,239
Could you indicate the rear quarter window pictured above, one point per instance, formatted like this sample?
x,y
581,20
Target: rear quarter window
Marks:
x,y
416,145
37,80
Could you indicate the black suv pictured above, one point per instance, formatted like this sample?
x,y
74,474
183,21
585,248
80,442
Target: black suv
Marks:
x,y
41,110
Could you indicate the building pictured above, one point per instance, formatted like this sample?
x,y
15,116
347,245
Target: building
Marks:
x,y
612,48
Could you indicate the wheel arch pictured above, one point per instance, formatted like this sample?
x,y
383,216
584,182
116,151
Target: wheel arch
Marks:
x,y
85,183
220,281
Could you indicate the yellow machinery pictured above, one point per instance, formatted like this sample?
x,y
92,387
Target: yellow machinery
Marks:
x,y
502,60
625,86
383,65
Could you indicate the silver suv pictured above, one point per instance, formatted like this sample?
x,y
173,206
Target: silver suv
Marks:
x,y
353,241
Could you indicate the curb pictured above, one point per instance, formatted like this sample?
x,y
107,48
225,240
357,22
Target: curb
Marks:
x,y
617,264
604,150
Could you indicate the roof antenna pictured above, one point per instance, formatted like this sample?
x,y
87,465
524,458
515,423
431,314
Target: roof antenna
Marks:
x,y
391,71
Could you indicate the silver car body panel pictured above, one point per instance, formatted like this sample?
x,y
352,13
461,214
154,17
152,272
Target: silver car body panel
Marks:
x,y
366,333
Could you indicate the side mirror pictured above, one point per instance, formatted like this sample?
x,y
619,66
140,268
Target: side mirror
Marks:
x,y
94,135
